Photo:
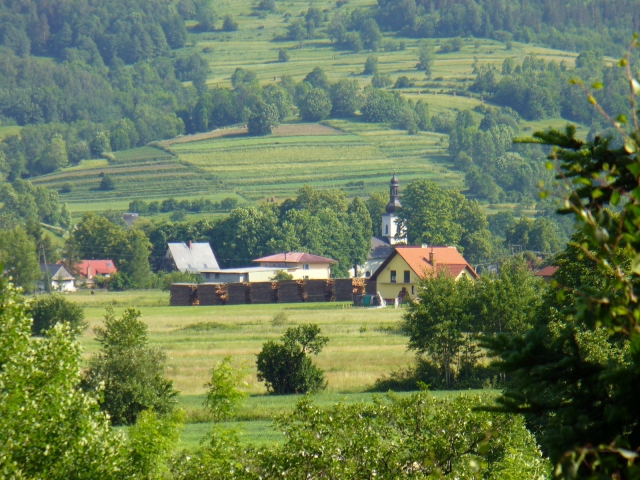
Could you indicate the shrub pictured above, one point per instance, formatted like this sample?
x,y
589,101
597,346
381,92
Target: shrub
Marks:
x,y
49,310
283,55
286,367
223,396
403,82
229,24
66,188
130,371
381,81
107,183
371,66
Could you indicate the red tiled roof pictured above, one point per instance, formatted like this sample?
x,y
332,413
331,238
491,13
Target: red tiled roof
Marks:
x,y
418,259
296,257
90,268
547,271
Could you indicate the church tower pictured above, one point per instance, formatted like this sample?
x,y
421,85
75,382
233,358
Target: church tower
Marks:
x,y
389,219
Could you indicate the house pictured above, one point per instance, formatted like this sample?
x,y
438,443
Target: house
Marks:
x,y
303,266
382,246
407,265
300,265
189,257
546,273
58,278
87,269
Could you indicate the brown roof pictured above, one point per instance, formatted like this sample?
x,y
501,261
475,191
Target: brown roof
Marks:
x,y
546,272
295,257
418,259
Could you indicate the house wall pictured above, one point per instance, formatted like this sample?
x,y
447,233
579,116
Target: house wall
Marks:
x,y
317,271
225,277
390,290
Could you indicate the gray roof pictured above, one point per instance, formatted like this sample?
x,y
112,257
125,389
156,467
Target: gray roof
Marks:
x,y
380,248
56,272
195,259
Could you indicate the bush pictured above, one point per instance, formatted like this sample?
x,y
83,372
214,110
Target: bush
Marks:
x,y
128,369
281,275
283,55
403,82
316,105
107,183
371,66
66,188
229,24
381,81
49,310
166,279
223,396
286,367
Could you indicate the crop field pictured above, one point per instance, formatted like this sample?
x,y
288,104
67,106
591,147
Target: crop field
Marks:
x,y
364,345
336,154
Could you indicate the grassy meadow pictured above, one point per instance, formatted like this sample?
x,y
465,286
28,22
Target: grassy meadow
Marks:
x,y
335,154
365,344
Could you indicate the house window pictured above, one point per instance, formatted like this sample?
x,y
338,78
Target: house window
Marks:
x,y
367,274
217,275
386,229
407,276
306,277
413,289
305,266
393,276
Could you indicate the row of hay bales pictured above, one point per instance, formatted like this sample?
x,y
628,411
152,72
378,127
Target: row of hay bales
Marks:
x,y
289,291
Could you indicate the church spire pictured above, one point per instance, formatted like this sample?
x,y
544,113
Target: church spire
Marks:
x,y
394,197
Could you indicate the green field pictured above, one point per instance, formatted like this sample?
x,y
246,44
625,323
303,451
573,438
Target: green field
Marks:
x,y
365,344
230,163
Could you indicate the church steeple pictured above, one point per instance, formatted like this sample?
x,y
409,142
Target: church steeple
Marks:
x,y
394,197
389,219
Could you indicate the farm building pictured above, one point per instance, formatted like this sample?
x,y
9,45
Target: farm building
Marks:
x,y
189,257
401,272
546,273
58,277
240,274
303,266
87,269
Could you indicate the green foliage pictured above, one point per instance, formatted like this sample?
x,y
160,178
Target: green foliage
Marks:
x,y
229,24
107,183
376,204
265,118
223,397
417,436
49,428
346,98
371,66
282,275
286,367
283,55
49,310
128,372
315,105
403,82
426,57
19,259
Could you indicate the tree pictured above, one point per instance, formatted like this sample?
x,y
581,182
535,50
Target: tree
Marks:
x,y
49,310
223,397
318,79
99,144
107,183
286,367
134,261
436,323
426,57
281,275
55,156
427,214
403,82
283,55
130,371
264,119
297,31
345,98
229,24
315,106
280,98
371,66
376,205
65,216
370,34
19,259
49,428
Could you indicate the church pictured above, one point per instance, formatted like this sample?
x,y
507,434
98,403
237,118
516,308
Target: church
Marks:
x,y
382,246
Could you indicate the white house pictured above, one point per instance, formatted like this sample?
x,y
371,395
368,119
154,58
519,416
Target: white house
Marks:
x,y
59,279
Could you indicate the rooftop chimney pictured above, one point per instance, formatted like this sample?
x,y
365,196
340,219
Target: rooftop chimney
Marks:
x,y
189,244
431,259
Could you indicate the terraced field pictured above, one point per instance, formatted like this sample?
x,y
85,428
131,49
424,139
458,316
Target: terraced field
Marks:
x,y
259,167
